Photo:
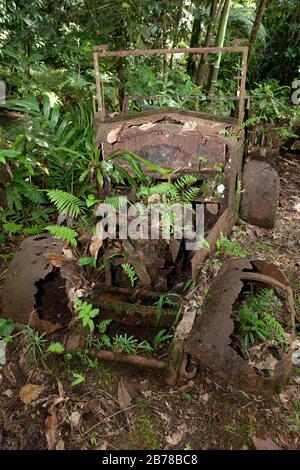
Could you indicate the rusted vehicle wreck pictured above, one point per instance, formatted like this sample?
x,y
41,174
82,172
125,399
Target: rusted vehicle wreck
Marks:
x,y
173,139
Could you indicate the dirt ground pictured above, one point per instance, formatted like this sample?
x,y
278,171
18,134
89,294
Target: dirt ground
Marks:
x,y
203,414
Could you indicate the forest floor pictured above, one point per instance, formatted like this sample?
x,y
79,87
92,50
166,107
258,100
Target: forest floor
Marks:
x,y
204,414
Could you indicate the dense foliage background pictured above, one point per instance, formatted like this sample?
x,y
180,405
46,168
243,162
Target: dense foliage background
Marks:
x,y
46,64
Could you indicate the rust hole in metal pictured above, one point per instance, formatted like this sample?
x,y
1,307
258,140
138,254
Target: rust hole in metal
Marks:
x,y
51,301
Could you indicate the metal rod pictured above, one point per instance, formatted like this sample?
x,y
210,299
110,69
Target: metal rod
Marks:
x,y
243,86
183,50
101,51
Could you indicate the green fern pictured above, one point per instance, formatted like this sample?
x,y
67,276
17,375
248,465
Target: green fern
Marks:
x,y
164,188
185,181
117,202
191,193
130,271
35,229
65,233
65,202
12,227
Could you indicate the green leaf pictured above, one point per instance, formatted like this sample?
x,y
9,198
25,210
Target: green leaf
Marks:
x,y
56,348
12,227
65,233
79,378
7,326
160,337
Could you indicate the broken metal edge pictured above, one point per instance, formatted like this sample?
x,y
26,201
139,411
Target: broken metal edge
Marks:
x,y
220,357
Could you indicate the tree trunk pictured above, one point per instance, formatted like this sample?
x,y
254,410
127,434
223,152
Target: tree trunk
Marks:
x,y
220,42
259,15
176,31
191,65
164,43
202,70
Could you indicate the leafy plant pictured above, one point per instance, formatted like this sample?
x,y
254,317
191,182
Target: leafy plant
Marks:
x,y
35,343
230,247
181,190
103,325
65,233
170,299
12,227
145,346
86,313
189,285
34,229
56,348
79,378
66,203
7,326
269,100
6,256
87,261
130,271
160,337
125,344
258,318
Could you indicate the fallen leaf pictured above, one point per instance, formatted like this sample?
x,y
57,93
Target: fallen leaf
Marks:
x,y
9,374
75,418
103,446
95,246
264,444
177,437
50,430
124,397
30,392
60,445
61,389
112,136
56,259
8,393
68,253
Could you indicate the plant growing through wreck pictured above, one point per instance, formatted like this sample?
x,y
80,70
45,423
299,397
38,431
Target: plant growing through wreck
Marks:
x,y
258,320
7,327
86,313
229,247
67,234
130,271
35,343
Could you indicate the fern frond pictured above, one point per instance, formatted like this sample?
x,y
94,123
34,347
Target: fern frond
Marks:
x,y
185,181
164,188
66,202
35,229
130,271
117,202
191,193
65,233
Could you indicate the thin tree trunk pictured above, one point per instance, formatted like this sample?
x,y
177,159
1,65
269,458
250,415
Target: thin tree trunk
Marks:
x,y
258,18
176,30
202,66
190,69
220,42
164,43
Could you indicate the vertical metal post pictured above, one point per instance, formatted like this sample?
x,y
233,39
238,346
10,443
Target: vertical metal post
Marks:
x,y
243,86
99,95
